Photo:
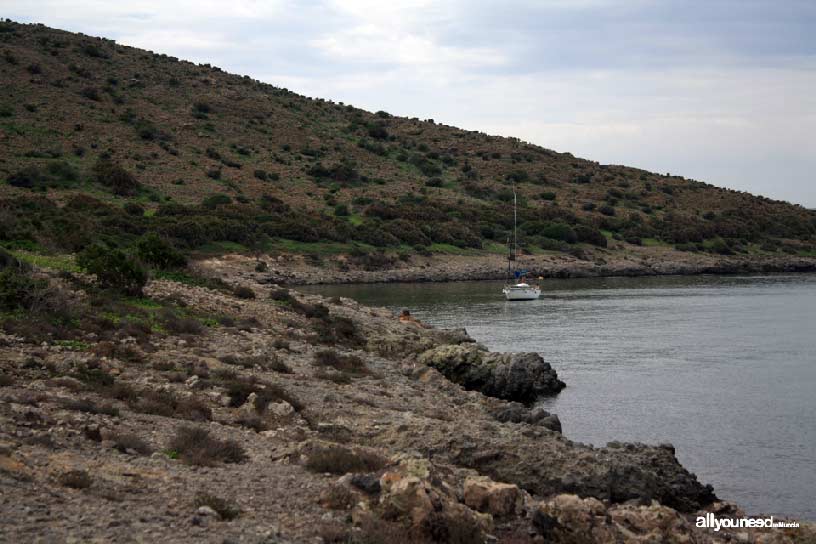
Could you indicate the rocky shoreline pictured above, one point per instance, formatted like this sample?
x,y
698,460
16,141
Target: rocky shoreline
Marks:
x,y
290,269
298,418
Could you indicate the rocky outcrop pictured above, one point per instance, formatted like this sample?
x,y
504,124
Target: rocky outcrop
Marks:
x,y
520,377
495,498
568,519
514,412
547,467
414,493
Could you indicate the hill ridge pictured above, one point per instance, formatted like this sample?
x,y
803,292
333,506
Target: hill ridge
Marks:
x,y
197,148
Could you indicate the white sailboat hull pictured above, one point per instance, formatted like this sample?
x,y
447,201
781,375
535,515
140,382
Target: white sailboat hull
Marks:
x,y
521,292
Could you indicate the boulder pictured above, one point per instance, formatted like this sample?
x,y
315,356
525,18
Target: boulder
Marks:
x,y
514,412
409,496
521,377
414,492
280,409
499,499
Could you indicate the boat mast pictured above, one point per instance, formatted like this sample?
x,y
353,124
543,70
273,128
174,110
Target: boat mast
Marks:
x,y
515,240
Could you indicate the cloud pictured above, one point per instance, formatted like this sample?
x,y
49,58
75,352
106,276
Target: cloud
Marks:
x,y
719,91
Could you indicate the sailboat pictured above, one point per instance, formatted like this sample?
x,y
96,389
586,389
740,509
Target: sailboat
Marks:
x,y
520,290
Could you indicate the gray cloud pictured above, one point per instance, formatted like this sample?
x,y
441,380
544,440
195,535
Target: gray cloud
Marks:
x,y
719,91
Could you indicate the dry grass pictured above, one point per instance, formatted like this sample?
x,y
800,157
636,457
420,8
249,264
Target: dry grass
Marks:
x,y
244,292
163,403
181,325
195,446
332,376
336,459
90,407
350,364
264,362
76,479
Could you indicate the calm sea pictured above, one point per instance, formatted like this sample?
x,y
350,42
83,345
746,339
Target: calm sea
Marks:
x,y
723,367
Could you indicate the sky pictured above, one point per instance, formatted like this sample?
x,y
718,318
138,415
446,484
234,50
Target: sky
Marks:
x,y
722,91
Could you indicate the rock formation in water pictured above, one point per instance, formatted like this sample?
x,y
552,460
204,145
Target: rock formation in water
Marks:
x,y
521,377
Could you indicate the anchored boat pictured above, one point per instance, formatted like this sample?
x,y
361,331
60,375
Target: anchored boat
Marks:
x,y
520,290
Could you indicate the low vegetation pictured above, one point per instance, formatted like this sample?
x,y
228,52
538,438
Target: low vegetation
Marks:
x,y
342,460
195,446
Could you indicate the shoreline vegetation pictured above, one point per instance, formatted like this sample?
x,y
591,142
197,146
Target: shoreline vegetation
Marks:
x,y
294,269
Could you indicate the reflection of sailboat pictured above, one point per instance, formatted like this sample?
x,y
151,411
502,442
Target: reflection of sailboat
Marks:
x,y
521,290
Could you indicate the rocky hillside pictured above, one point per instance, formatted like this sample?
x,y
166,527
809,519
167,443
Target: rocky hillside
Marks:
x,y
251,413
103,143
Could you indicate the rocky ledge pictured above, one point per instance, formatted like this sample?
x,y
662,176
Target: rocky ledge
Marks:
x,y
292,418
522,377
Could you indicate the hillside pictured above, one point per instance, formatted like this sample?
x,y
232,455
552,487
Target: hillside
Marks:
x,y
104,142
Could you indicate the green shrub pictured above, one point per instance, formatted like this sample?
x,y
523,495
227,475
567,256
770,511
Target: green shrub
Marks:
x,y
721,247
114,269
590,235
378,131
116,178
559,231
77,479
18,290
56,174
91,93
607,210
134,209
153,250
343,172
548,195
242,291
213,201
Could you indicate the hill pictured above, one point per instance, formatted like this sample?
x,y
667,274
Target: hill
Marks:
x,y
103,142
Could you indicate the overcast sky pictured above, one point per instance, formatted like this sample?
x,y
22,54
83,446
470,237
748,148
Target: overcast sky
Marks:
x,y
723,91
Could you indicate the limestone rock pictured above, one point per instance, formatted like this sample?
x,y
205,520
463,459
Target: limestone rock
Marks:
x,y
414,492
485,495
281,409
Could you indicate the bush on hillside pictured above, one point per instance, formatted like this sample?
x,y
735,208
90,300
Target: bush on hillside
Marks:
x,y
56,174
607,210
114,269
213,201
157,252
559,231
18,290
590,235
134,209
116,178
